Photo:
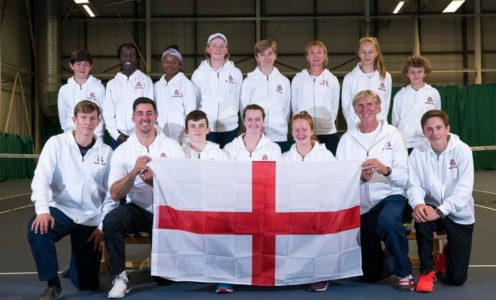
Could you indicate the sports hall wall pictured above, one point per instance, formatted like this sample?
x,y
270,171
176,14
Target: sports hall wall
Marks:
x,y
450,41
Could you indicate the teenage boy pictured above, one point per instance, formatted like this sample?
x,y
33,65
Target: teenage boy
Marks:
x,y
127,85
413,100
131,177
267,87
70,197
196,128
79,87
440,184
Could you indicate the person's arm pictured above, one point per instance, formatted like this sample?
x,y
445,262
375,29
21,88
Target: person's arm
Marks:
x,y
294,95
346,105
247,90
62,110
386,102
395,118
462,192
399,167
109,112
148,88
121,187
40,186
335,90
189,97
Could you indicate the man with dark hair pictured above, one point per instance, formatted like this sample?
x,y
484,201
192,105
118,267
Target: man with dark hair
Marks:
x,y
82,85
127,85
440,185
71,198
131,177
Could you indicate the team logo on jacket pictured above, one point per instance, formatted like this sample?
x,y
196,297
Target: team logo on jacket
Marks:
x,y
382,86
100,161
324,82
177,94
452,164
163,154
429,100
387,146
279,89
265,157
230,79
139,86
92,96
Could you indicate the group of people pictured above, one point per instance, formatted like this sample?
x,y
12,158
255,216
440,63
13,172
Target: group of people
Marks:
x,y
79,181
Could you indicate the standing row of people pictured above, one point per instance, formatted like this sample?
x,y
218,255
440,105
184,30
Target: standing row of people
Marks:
x,y
217,88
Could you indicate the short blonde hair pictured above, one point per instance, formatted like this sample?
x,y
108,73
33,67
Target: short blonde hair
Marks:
x,y
263,45
366,94
319,44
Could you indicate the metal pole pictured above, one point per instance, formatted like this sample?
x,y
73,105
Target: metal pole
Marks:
x,y
366,7
416,37
148,37
477,42
258,22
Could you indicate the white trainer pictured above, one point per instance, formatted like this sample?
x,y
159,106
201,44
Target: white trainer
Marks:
x,y
119,288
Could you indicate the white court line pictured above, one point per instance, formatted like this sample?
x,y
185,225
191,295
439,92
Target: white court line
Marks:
x,y
14,196
485,192
35,273
481,206
17,208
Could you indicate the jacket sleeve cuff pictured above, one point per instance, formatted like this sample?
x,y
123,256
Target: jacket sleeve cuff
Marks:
x,y
42,208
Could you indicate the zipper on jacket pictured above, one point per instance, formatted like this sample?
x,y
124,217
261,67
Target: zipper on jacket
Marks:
x,y
314,109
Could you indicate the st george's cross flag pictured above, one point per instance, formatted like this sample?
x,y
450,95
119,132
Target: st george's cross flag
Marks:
x,y
255,223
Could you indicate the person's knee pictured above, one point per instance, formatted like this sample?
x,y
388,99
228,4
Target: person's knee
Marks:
x,y
389,223
111,222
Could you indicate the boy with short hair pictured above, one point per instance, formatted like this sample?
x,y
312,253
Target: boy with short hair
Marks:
x,y
413,100
70,197
270,89
196,128
440,185
82,85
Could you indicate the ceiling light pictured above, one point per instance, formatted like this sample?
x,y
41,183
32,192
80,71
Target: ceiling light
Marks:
x,y
453,6
398,7
82,1
89,11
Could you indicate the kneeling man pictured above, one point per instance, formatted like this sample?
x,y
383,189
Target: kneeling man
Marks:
x,y
441,178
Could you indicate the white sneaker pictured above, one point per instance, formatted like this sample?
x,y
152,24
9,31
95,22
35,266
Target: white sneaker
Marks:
x,y
120,288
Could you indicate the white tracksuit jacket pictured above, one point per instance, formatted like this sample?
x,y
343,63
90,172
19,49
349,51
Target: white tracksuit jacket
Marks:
x,y
445,180
319,96
175,99
319,152
409,106
124,159
388,147
357,81
120,94
212,151
71,93
265,150
219,92
74,184
273,94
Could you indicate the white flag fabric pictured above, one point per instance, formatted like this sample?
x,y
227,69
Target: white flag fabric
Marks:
x,y
256,223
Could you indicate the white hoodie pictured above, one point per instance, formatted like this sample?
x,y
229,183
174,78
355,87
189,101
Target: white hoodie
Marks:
x,y
119,97
319,96
219,92
273,94
265,150
74,184
211,151
409,105
124,159
357,81
71,93
319,152
444,181
175,99
388,147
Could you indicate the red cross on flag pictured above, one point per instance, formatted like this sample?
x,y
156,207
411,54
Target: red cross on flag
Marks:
x,y
256,223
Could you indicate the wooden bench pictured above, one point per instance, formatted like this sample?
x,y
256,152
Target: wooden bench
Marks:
x,y
130,264
440,239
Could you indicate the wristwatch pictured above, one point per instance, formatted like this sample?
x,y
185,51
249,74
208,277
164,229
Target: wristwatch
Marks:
x,y
440,213
388,171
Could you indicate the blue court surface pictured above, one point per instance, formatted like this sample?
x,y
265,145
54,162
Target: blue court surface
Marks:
x,y
18,279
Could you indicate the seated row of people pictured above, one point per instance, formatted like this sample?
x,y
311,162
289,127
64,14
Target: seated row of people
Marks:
x,y
440,173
